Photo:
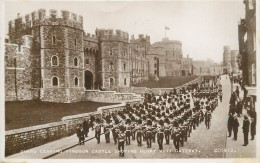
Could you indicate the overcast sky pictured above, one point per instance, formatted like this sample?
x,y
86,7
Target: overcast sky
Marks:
x,y
203,27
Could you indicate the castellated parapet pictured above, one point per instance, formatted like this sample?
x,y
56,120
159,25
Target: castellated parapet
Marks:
x,y
140,37
90,37
41,17
112,35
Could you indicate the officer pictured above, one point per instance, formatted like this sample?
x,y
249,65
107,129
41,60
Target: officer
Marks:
x,y
97,130
128,131
121,142
160,135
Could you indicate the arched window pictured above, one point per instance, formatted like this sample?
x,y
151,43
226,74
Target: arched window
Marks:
x,y
111,66
75,42
155,65
111,80
124,66
54,60
75,61
76,81
55,81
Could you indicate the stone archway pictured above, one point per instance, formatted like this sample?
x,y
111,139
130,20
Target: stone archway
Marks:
x,y
88,80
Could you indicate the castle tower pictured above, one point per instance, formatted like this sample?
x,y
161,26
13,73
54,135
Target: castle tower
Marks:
x,y
114,57
226,60
58,52
234,64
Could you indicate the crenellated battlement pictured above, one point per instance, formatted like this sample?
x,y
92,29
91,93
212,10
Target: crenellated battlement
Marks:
x,y
90,37
42,17
110,34
140,37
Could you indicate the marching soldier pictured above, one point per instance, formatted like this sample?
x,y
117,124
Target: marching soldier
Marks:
x,y
97,130
121,142
176,138
160,135
207,119
133,128
139,133
149,134
115,131
128,131
107,131
167,131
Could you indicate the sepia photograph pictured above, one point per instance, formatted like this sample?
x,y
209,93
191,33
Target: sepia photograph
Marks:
x,y
129,79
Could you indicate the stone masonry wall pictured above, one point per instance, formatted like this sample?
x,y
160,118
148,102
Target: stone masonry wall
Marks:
x,y
26,138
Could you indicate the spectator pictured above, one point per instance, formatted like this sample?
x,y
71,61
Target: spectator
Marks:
x,y
235,127
245,128
253,128
230,124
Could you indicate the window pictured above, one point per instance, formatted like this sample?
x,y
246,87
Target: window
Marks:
x,y
76,81
110,52
54,40
75,61
55,81
111,66
111,80
75,42
155,65
54,60
87,61
124,66
155,58
125,81
155,71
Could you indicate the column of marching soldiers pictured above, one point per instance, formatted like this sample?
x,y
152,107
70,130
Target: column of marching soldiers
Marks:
x,y
170,116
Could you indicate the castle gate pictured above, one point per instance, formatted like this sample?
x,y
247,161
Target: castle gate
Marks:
x,y
88,80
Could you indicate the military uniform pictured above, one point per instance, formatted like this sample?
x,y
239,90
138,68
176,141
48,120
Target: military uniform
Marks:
x,y
128,134
107,132
121,144
97,132
160,135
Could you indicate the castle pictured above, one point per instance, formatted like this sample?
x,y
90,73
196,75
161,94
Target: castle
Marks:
x,y
49,57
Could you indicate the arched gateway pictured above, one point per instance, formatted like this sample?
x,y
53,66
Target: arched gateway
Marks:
x,y
88,80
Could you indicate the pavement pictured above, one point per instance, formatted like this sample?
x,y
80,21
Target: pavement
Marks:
x,y
248,151
203,143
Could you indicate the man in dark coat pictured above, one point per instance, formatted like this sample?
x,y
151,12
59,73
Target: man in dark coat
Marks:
x,y
230,124
253,128
245,128
86,127
239,107
235,127
237,91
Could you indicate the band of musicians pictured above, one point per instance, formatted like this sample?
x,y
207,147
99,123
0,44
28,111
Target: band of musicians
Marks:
x,y
167,119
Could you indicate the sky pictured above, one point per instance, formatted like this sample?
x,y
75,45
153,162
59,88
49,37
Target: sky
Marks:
x,y
203,27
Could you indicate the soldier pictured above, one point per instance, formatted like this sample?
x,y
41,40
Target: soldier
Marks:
x,y
167,131
133,128
175,136
86,127
121,142
97,130
80,134
107,131
139,132
128,131
154,130
207,119
160,135
149,134
115,131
